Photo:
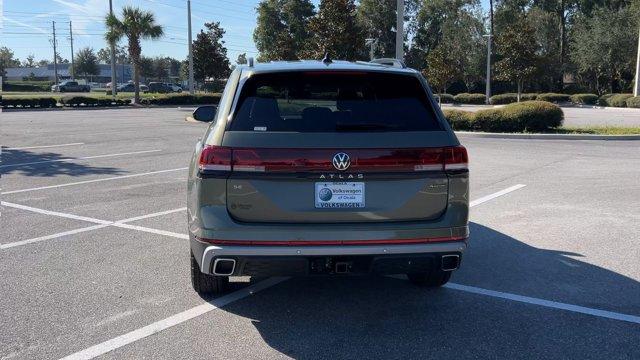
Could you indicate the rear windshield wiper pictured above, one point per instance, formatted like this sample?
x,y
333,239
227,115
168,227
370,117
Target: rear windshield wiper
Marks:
x,y
364,127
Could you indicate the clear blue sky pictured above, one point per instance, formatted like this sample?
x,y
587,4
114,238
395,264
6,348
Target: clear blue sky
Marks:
x,y
26,25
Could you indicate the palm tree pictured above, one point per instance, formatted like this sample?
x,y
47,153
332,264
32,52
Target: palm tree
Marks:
x,y
136,25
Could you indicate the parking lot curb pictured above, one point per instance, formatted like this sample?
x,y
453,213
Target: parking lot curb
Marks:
x,y
562,105
191,119
546,136
129,107
604,107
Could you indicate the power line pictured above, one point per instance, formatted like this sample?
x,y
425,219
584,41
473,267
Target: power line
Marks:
x,y
234,3
232,47
201,12
102,34
15,30
222,8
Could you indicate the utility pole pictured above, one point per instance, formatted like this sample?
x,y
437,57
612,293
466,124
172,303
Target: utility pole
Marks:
x,y
489,40
488,88
114,86
400,30
636,88
55,53
73,66
191,82
491,14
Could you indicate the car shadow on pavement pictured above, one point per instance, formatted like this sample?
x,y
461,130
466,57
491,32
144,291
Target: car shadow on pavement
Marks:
x,y
388,317
47,164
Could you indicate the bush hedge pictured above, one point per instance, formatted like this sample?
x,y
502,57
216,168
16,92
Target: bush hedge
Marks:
x,y
554,97
602,101
509,98
584,99
182,99
633,102
466,98
503,99
527,116
32,102
528,97
74,101
444,98
459,120
34,86
495,120
614,100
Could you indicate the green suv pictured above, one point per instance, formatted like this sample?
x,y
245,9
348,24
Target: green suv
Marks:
x,y
327,168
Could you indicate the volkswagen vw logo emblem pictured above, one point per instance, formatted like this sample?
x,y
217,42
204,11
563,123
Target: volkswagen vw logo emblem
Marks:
x,y
341,161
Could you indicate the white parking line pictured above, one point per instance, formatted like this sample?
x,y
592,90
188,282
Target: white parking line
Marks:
x,y
79,158
92,181
52,236
122,223
160,213
495,195
154,328
55,213
101,224
152,231
40,146
179,318
546,303
171,321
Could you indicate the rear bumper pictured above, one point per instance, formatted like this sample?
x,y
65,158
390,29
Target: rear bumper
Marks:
x,y
309,260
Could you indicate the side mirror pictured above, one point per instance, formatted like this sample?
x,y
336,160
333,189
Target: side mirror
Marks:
x,y
205,113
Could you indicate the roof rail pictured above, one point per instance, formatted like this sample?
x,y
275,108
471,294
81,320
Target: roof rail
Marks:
x,y
389,62
250,61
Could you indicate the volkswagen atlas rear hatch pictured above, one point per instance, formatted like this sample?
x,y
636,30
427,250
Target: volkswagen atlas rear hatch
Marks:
x,y
334,146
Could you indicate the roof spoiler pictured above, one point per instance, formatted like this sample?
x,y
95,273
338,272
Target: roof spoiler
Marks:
x,y
390,62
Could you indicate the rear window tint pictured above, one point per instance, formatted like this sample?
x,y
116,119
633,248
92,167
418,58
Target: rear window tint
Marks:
x,y
333,102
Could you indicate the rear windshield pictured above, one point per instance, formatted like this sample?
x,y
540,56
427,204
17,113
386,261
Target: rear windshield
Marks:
x,y
333,102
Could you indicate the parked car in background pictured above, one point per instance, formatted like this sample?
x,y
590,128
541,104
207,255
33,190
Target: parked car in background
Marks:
x,y
175,88
129,87
70,86
158,87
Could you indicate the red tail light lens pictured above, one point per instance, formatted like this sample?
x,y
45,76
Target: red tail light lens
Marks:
x,y
455,158
320,160
218,158
215,158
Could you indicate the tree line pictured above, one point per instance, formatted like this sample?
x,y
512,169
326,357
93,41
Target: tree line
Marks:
x,y
539,45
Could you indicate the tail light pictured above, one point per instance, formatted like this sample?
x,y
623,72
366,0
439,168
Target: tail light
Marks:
x,y
217,158
456,159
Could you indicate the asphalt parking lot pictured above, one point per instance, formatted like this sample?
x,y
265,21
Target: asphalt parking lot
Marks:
x,y
94,256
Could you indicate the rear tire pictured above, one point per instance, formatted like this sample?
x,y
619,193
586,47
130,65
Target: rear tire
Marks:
x,y
434,278
205,284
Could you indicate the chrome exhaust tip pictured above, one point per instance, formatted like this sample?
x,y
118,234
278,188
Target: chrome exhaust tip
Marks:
x,y
450,262
224,267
